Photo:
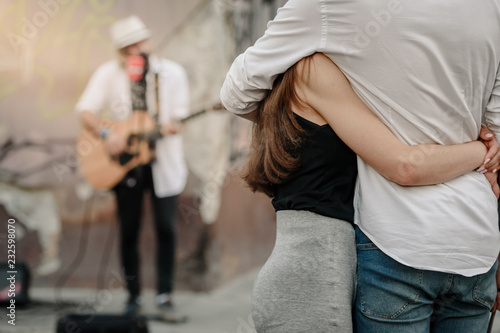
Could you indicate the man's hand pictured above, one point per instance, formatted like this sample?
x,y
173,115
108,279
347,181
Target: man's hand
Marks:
x,y
492,158
170,128
115,144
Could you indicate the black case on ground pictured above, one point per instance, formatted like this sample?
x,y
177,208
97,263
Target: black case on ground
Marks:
x,y
22,284
88,323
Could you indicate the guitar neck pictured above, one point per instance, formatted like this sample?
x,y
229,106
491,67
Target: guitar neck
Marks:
x,y
216,107
150,136
156,134
191,116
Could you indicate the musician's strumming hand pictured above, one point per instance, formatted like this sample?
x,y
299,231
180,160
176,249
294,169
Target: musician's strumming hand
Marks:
x,y
115,144
170,128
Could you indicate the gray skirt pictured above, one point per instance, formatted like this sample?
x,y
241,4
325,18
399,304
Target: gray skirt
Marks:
x,y
308,282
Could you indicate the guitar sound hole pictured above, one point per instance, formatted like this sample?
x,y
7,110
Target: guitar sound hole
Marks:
x,y
124,158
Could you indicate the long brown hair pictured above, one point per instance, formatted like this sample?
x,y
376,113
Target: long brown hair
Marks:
x,y
276,137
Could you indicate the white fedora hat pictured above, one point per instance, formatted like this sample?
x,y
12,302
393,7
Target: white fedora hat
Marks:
x,y
128,31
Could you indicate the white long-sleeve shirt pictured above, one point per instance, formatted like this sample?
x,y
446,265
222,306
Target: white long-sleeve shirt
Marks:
x,y
428,70
109,90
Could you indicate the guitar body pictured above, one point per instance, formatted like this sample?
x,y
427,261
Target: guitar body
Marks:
x,y
104,171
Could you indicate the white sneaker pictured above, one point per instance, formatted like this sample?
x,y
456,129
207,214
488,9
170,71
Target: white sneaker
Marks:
x,y
48,267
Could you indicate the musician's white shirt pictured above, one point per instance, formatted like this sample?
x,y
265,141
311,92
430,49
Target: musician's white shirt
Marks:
x,y
108,94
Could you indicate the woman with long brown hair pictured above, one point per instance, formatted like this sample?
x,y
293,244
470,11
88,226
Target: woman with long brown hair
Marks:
x,y
299,159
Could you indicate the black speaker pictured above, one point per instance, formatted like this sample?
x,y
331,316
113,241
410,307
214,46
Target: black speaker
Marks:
x,y
14,284
101,324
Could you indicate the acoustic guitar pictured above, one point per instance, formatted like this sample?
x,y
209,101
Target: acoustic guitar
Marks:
x,y
140,131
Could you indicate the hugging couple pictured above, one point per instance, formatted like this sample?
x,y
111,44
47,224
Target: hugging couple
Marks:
x,y
374,154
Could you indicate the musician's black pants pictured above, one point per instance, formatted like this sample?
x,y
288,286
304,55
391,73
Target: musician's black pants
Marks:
x,y
129,195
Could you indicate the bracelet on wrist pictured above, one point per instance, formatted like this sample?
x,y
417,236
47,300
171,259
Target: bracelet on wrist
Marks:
x,y
104,132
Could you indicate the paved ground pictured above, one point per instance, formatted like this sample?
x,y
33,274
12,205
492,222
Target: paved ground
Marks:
x,y
226,310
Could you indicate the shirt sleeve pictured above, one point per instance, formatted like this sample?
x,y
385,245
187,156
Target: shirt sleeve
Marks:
x,y
493,108
181,107
174,95
94,96
296,32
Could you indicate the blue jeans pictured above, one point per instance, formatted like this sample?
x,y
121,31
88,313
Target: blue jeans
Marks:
x,y
392,297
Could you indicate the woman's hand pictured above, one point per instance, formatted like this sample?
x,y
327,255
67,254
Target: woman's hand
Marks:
x,y
492,159
493,179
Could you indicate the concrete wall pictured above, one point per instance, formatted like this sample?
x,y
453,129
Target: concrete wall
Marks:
x,y
48,50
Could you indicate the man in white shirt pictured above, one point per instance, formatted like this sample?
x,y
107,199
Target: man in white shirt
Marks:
x,y
429,71
109,89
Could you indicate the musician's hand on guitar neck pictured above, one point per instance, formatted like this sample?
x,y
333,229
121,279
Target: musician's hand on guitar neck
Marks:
x,y
170,128
115,144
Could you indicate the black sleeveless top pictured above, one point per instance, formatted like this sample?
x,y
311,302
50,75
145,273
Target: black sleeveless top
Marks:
x,y
325,180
